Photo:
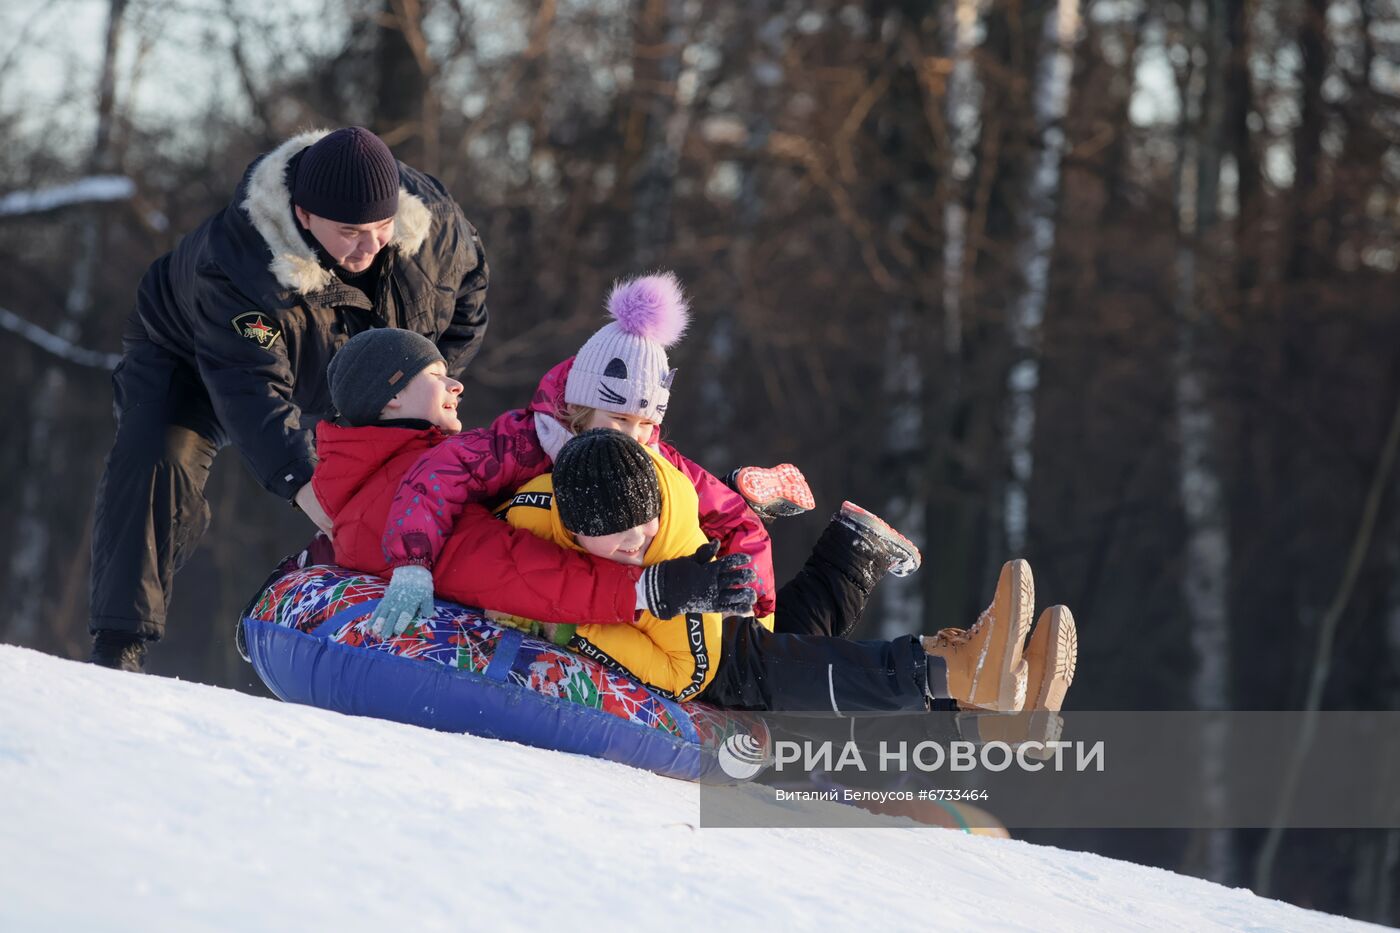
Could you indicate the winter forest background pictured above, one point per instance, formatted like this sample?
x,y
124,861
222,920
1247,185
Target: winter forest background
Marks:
x,y
1108,284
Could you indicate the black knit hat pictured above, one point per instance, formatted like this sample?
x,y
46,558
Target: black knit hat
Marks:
x,y
374,367
604,482
349,177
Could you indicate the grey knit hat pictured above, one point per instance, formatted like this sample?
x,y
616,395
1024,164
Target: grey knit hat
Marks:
x,y
605,482
349,177
623,367
373,367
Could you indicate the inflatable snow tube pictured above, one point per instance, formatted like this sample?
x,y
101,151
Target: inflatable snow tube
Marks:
x,y
461,672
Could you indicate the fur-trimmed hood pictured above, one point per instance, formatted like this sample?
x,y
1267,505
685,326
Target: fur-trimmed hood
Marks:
x,y
268,205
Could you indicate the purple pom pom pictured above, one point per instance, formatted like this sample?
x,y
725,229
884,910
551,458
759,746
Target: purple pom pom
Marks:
x,y
651,307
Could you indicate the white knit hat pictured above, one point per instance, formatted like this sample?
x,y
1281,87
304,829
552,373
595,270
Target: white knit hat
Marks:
x,y
623,367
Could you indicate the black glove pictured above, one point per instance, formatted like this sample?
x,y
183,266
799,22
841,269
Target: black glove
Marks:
x,y
699,583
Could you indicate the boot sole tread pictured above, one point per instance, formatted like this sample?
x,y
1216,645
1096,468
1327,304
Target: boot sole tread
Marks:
x,y
776,487
1062,658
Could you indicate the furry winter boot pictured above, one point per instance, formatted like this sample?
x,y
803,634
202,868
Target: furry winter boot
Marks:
x,y
985,667
773,492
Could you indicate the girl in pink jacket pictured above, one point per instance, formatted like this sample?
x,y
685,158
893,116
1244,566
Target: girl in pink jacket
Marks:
x,y
620,379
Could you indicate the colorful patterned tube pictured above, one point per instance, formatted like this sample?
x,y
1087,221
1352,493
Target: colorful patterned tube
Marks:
x,y
461,672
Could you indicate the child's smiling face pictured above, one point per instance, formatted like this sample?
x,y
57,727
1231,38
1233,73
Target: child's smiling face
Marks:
x,y
634,426
624,547
430,396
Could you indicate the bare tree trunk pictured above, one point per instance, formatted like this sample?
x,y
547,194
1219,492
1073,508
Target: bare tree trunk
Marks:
x,y
993,275
1249,185
1307,246
949,586
754,50
406,107
657,125
919,107
1206,565
1303,264
31,557
1051,94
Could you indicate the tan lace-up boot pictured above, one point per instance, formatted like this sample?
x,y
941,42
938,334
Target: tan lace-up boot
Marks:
x,y
985,667
1052,654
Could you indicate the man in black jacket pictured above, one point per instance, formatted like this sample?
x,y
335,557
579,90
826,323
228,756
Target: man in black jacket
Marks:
x,y
327,236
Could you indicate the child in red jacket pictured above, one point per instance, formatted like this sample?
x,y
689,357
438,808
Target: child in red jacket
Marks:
x,y
393,389
620,379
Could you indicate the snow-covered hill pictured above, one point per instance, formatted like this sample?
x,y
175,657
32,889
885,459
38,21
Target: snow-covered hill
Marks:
x,y
143,803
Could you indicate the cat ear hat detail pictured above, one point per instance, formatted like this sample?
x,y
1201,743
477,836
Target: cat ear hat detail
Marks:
x,y
623,367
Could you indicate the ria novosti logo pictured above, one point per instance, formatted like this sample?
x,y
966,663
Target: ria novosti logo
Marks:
x,y
742,756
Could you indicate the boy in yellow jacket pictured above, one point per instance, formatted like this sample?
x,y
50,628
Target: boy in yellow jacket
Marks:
x,y
612,498
615,507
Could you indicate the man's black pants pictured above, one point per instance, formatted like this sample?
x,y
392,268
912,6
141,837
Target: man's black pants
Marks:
x,y
151,511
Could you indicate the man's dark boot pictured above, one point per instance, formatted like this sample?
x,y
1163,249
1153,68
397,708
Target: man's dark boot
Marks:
x,y
122,651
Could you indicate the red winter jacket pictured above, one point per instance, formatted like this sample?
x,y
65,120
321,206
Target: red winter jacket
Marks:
x,y
486,563
484,465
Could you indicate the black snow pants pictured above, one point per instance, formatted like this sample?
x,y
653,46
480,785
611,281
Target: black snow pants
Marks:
x,y
806,664
782,672
150,511
829,593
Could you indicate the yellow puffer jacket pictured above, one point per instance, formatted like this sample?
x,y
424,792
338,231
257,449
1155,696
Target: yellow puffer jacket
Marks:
x,y
676,657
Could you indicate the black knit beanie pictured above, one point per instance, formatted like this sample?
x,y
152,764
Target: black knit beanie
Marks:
x,y
604,482
349,177
373,367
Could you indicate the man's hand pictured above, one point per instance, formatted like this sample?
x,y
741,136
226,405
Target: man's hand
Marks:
x,y
408,598
699,583
306,501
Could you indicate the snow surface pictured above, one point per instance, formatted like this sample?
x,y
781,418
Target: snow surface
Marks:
x,y
144,803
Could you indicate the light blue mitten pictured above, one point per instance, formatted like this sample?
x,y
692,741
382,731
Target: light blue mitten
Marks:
x,y
408,598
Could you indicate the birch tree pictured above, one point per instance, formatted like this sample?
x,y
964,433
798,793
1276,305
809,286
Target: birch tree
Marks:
x,y
1051,94
1206,563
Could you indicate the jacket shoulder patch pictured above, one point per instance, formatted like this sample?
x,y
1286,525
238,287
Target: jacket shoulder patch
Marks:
x,y
257,327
